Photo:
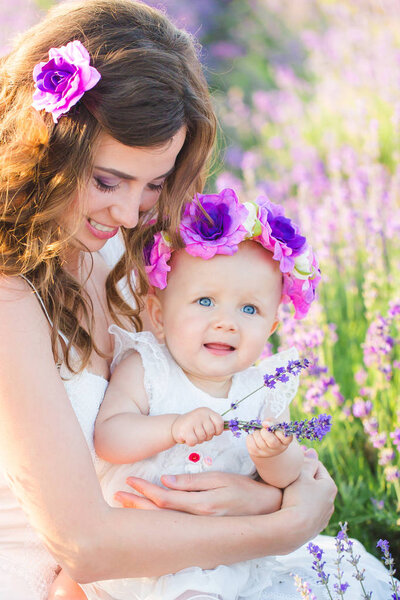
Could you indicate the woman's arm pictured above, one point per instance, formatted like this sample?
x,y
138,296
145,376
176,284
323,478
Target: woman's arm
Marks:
x,y
49,465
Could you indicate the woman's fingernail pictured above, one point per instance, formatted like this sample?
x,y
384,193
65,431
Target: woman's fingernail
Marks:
x,y
169,479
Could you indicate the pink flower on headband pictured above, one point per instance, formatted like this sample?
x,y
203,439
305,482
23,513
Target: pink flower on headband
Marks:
x,y
61,82
213,224
217,223
156,258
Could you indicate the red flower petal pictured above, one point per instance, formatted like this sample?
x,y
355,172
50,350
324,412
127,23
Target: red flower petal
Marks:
x,y
194,457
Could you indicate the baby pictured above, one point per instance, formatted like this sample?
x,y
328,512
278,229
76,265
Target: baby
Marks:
x,y
213,307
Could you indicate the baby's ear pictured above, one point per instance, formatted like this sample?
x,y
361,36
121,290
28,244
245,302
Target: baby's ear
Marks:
x,y
274,326
155,314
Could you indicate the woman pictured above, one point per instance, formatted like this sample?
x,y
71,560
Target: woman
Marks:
x,y
76,169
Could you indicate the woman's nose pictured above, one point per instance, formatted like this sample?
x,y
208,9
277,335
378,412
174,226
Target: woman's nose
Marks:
x,y
126,212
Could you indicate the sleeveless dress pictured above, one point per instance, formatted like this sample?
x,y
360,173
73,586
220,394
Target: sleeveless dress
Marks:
x,y
27,569
170,391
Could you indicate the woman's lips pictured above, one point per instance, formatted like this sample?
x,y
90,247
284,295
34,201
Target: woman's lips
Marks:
x,y
219,349
100,234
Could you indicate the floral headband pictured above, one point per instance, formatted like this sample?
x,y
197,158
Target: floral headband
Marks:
x,y
61,81
217,223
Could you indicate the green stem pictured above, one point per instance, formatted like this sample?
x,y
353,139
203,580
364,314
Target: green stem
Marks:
x,y
241,400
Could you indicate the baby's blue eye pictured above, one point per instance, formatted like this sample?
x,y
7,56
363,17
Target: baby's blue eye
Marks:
x,y
204,301
249,309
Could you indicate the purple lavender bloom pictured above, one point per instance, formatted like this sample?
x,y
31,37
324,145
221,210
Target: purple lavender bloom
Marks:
x,y
318,565
362,408
282,373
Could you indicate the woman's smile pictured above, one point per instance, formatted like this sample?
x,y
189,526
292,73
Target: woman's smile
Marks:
x,y
102,232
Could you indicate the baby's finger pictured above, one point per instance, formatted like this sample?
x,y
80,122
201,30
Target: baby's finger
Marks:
x,y
200,433
252,448
218,423
284,439
268,438
209,429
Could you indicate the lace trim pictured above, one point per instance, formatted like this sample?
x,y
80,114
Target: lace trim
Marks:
x,y
279,398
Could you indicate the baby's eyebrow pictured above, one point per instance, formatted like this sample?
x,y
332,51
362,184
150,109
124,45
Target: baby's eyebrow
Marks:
x,y
131,177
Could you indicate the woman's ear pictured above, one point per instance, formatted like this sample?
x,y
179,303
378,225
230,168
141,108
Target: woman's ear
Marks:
x,y
155,315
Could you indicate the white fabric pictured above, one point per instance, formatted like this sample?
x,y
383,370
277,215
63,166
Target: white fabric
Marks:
x,y
268,578
27,569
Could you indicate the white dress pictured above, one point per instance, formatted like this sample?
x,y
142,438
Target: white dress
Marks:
x,y
170,391
27,569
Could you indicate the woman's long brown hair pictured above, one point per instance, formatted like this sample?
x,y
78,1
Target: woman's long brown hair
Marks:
x,y
151,85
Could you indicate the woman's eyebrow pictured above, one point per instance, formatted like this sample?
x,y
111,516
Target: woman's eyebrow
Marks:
x,y
130,177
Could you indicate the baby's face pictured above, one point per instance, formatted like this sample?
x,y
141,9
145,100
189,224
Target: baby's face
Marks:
x,y
217,314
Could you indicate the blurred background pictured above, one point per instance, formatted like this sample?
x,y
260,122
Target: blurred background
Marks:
x,y
307,95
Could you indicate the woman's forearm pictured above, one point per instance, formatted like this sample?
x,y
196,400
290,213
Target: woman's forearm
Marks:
x,y
133,543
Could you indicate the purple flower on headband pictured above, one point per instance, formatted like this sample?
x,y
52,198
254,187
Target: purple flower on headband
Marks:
x,y
156,258
220,230
279,234
61,82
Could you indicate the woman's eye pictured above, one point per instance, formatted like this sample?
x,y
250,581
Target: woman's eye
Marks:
x,y
156,187
204,301
249,309
104,187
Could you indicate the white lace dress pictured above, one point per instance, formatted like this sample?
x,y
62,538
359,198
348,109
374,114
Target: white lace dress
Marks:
x,y
170,391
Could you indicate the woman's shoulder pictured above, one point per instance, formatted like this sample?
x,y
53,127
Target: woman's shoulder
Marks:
x,y
19,303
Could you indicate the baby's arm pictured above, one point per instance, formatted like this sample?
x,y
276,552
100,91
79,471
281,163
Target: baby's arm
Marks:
x,y
278,459
124,432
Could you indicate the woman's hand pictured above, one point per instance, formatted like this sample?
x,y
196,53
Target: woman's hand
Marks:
x,y
213,493
312,496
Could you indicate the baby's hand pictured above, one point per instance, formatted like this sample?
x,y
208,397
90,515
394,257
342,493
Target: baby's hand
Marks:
x,y
197,426
265,444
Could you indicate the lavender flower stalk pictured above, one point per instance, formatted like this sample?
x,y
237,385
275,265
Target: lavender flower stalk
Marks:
x,y
312,429
318,566
303,588
353,560
281,374
389,562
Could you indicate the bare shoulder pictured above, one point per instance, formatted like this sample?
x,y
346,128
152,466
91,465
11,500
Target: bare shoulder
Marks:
x,y
22,320
19,303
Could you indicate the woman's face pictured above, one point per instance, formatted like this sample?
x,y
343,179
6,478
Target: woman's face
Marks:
x,y
125,182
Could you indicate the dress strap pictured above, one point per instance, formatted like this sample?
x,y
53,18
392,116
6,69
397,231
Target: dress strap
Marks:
x,y
38,296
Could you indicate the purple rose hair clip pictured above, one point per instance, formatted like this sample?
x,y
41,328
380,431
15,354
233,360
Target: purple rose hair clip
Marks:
x,y
63,79
217,223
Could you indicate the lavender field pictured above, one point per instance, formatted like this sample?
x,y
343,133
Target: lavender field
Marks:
x,y
307,94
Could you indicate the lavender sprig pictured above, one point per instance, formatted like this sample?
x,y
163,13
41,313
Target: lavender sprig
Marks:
x,y
303,588
388,560
312,429
281,374
318,566
339,587
353,560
